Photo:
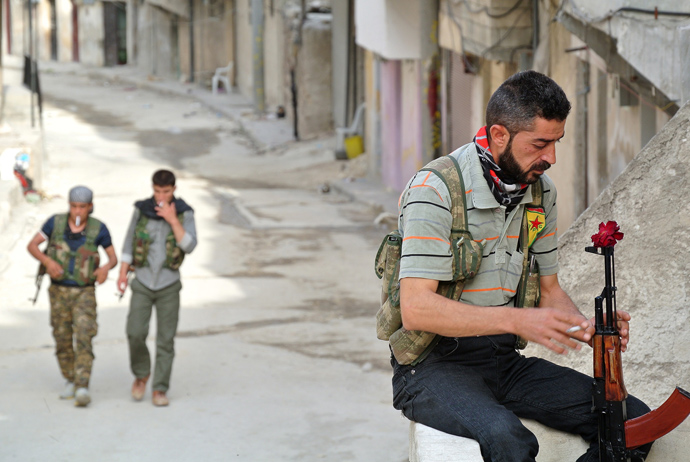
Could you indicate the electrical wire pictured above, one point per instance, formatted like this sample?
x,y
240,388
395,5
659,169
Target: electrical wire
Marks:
x,y
508,32
487,50
468,64
577,11
485,9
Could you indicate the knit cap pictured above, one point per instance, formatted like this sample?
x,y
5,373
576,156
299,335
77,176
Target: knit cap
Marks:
x,y
81,194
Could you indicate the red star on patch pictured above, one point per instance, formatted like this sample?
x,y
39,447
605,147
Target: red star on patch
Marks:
x,y
535,224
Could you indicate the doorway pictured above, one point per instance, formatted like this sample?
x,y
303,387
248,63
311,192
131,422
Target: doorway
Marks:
x,y
115,27
53,31
75,31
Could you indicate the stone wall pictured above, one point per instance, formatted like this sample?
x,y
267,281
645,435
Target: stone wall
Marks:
x,y
313,75
652,266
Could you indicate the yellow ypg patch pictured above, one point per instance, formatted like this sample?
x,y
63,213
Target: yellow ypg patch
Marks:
x,y
536,220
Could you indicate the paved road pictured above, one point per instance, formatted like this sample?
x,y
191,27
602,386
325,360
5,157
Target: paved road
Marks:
x,y
276,354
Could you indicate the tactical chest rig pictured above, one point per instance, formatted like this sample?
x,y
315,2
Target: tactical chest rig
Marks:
x,y
142,242
412,347
86,258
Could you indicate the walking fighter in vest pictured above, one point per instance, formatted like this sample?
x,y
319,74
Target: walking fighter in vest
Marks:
x,y
161,232
73,264
473,382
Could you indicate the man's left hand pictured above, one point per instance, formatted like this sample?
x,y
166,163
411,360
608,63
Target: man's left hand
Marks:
x,y
168,212
101,274
623,327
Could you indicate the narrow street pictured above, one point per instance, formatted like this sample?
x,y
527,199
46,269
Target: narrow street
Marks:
x,y
276,354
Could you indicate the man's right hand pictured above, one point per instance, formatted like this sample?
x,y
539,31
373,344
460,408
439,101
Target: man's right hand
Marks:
x,y
122,283
53,268
548,326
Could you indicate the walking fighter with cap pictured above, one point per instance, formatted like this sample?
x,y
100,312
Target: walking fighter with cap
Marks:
x,y
73,264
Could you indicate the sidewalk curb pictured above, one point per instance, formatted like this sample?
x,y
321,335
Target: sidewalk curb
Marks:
x,y
190,91
10,196
369,192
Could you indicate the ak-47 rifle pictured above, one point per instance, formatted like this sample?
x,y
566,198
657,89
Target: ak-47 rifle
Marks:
x,y
618,437
39,279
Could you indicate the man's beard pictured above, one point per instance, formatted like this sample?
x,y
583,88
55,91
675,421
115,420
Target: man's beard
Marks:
x,y
512,170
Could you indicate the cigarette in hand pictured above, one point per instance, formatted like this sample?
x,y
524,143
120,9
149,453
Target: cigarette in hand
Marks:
x,y
573,329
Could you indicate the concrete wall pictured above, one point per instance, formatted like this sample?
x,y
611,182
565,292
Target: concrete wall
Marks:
x,y
396,29
243,58
155,43
566,173
603,132
648,202
132,31
16,14
64,29
468,27
410,126
43,29
654,46
339,59
373,97
313,75
404,127
275,47
213,41
411,142
91,34
63,13
464,106
391,123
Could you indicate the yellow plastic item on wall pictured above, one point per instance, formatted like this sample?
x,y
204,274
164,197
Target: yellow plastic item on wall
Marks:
x,y
353,146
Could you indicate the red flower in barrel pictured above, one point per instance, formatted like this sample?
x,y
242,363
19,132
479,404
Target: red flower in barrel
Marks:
x,y
608,235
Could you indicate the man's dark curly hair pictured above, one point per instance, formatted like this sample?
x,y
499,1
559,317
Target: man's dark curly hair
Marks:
x,y
164,178
524,96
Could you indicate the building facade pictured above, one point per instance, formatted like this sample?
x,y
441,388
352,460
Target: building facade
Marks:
x,y
432,66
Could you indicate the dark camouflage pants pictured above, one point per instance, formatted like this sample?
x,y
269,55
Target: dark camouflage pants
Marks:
x,y
73,317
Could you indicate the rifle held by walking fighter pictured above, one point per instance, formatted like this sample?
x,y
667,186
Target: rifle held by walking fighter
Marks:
x,y
618,436
39,280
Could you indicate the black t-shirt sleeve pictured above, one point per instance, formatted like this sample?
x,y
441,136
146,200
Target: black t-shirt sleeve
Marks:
x,y
103,239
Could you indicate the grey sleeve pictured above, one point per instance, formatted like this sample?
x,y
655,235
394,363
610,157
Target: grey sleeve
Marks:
x,y
188,242
127,246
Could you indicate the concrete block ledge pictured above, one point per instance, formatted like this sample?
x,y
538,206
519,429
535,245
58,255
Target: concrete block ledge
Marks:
x,y
10,196
429,445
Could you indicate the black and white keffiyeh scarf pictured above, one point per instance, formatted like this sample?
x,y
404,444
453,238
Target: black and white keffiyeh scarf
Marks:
x,y
505,189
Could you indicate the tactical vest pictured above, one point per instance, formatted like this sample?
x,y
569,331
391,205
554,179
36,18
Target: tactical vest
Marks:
x,y
142,242
86,258
412,347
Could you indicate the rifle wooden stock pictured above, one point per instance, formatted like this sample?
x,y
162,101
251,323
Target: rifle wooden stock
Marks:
x,y
655,424
598,349
615,388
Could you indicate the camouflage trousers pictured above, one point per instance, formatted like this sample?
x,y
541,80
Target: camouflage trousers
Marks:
x,y
73,318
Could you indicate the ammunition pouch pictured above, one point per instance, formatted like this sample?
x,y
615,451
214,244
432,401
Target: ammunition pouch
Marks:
x,y
142,243
86,257
411,347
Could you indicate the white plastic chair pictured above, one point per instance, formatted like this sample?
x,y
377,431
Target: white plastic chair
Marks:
x,y
353,129
222,74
